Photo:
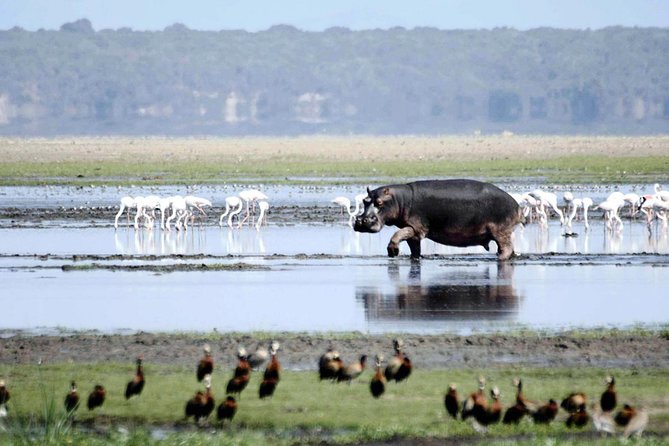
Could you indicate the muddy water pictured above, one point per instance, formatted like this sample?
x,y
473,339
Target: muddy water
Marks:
x,y
316,276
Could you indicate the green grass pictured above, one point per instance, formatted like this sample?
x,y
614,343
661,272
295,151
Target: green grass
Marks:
x,y
303,408
582,169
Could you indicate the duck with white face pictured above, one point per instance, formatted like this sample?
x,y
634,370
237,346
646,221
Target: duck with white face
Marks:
x,y
451,212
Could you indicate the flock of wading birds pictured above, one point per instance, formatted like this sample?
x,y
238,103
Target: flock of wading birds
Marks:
x,y
536,206
475,407
182,210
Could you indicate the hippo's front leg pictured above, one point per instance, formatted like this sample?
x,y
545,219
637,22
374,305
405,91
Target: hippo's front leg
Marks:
x,y
407,233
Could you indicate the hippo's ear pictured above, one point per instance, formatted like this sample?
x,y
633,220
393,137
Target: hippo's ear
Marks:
x,y
368,191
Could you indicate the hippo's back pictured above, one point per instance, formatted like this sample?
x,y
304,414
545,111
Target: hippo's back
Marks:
x,y
463,200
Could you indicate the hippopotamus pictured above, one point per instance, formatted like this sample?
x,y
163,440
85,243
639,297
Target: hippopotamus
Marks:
x,y
456,212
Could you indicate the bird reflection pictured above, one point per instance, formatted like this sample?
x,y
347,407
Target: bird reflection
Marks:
x,y
160,242
483,292
243,242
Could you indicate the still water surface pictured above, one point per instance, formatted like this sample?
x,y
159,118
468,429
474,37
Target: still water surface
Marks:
x,y
592,282
318,277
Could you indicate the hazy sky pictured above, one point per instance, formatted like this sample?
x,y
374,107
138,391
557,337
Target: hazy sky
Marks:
x,y
316,15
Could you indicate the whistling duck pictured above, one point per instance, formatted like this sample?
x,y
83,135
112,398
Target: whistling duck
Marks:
x,y
608,400
399,366
206,364
4,393
352,371
452,401
72,398
475,399
329,365
209,402
97,397
242,374
202,404
546,413
573,402
258,357
194,406
516,412
633,420
378,384
227,409
136,385
578,418
489,414
271,375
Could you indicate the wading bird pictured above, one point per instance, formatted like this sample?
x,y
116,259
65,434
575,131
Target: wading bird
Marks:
x,y
127,203
262,217
611,207
144,206
180,212
233,206
345,204
661,194
136,385
193,202
546,199
250,196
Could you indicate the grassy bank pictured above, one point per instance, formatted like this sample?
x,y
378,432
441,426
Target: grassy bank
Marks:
x,y
580,169
332,159
304,409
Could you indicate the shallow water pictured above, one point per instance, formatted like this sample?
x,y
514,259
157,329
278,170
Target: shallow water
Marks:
x,y
323,277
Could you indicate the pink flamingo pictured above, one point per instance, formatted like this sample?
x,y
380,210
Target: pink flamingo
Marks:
x,y
234,204
250,196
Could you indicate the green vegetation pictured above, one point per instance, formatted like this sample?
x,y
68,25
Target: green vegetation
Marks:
x,y
303,409
576,169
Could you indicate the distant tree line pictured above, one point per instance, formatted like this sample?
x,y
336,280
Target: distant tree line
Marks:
x,y
285,81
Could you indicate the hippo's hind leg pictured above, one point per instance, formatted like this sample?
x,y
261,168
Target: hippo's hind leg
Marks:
x,y
404,234
503,236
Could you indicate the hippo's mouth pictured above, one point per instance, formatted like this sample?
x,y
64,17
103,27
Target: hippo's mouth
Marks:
x,y
361,225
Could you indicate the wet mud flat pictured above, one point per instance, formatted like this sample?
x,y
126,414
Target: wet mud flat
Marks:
x,y
301,351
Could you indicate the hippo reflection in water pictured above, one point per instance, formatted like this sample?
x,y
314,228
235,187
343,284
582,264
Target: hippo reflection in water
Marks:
x,y
451,212
463,294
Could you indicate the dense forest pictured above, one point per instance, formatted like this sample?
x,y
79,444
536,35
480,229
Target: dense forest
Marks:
x,y
284,81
